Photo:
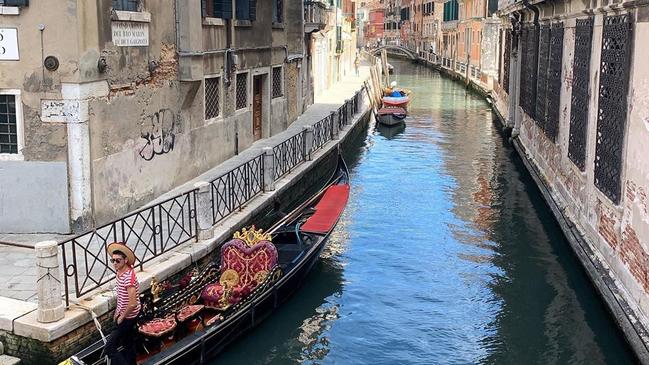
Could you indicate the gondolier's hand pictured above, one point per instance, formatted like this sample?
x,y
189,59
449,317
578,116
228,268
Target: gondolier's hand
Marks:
x,y
120,320
115,316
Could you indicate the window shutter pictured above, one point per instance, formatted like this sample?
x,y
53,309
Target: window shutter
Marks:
x,y
16,2
253,9
223,9
203,8
218,8
226,8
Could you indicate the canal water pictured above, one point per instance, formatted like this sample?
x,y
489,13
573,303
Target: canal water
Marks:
x,y
446,254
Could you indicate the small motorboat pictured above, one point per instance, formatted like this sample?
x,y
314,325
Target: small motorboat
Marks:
x,y
391,116
391,101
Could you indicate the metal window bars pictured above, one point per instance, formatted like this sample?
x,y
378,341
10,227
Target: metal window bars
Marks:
x,y
8,126
277,82
149,232
242,91
212,97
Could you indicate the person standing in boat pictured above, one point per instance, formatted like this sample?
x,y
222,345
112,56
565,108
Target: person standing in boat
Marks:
x,y
128,305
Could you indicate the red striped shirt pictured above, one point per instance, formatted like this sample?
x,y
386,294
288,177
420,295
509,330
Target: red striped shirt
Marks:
x,y
124,281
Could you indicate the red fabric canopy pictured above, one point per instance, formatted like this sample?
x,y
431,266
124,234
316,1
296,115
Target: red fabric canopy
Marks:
x,y
328,210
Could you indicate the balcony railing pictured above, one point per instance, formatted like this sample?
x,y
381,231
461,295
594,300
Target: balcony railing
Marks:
x,y
315,15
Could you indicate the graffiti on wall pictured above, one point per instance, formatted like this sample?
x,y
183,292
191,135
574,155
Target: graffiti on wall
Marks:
x,y
158,131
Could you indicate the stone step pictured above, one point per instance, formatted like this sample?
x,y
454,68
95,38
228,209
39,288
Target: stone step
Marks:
x,y
9,360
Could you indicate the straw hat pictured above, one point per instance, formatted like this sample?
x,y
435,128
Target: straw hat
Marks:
x,y
121,246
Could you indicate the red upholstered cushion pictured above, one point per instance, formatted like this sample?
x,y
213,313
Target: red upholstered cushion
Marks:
x,y
327,210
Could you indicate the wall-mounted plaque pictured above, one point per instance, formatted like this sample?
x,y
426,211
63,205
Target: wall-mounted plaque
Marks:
x,y
130,34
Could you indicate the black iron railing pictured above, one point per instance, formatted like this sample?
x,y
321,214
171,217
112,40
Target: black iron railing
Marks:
x,y
322,131
232,190
289,154
154,230
149,232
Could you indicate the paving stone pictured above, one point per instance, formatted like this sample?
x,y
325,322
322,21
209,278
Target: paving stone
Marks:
x,y
9,360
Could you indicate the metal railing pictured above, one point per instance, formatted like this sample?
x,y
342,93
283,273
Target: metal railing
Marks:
x,y
156,229
230,191
289,154
322,131
149,232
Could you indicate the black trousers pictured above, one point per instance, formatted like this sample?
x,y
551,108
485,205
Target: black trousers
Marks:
x,y
123,335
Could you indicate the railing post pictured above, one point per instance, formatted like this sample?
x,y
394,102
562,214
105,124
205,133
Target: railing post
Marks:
x,y
48,284
350,111
308,141
334,126
269,169
204,210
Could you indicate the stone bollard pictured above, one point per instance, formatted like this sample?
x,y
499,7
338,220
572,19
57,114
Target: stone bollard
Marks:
x,y
308,141
269,169
204,210
334,125
48,283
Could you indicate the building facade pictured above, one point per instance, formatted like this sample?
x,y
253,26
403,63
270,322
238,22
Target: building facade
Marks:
x,y
110,103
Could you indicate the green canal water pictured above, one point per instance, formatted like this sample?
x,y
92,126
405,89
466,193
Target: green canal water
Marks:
x,y
446,254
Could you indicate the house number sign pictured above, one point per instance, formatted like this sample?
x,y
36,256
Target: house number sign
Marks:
x,y
9,44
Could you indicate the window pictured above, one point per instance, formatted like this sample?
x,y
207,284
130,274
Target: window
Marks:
x,y
278,11
242,90
217,8
10,122
277,82
14,2
246,9
212,97
125,5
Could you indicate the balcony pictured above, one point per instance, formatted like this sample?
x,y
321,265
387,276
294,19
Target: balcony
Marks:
x,y
315,15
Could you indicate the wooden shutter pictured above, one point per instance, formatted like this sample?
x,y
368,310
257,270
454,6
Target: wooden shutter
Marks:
x,y
253,9
16,2
223,9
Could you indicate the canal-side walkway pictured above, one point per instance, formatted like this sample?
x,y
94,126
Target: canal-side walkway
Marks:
x,y
18,279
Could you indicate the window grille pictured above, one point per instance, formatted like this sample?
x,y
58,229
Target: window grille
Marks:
x,y
125,5
8,131
212,97
506,59
242,90
612,108
554,82
579,100
530,66
544,59
217,8
278,11
277,82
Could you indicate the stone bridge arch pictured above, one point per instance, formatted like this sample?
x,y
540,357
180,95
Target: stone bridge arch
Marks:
x,y
398,49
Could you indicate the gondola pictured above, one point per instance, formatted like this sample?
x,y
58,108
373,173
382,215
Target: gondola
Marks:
x,y
298,239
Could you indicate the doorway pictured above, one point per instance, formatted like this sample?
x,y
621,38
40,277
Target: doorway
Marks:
x,y
257,105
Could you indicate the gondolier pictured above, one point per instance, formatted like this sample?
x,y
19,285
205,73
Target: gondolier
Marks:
x,y
128,305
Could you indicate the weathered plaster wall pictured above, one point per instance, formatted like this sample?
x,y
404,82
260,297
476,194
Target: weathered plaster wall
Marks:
x,y
43,205
619,233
